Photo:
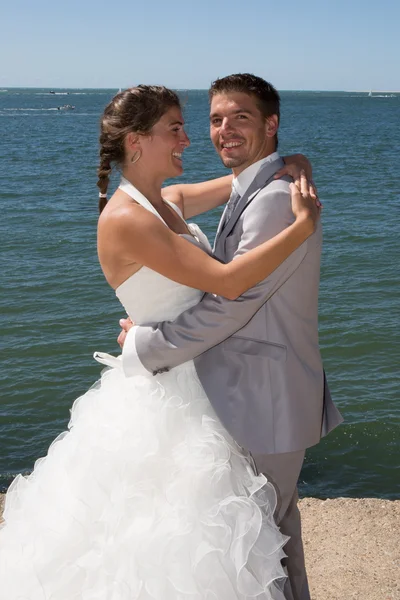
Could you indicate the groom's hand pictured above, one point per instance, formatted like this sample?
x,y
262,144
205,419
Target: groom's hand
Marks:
x,y
126,325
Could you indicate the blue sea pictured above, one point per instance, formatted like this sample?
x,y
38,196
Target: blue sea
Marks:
x,y
56,308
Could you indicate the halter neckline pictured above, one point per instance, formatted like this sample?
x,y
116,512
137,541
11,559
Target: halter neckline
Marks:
x,y
127,187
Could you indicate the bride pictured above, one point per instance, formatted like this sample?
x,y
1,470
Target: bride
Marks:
x,y
146,496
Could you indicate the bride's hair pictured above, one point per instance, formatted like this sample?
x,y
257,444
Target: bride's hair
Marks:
x,y
135,110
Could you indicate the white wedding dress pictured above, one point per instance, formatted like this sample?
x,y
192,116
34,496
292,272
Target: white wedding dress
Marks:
x,y
146,496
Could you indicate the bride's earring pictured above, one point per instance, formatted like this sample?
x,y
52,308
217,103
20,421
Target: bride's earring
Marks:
x,y
136,156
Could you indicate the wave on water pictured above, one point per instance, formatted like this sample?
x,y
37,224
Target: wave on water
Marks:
x,y
59,93
30,109
33,112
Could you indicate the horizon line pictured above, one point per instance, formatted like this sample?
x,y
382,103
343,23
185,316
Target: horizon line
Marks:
x,y
35,87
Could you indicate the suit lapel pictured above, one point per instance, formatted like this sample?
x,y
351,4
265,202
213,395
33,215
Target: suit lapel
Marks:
x,y
263,177
222,219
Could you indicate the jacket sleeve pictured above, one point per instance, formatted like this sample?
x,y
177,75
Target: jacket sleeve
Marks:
x,y
165,345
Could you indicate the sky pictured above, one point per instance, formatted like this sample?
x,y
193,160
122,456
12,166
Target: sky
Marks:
x,y
297,45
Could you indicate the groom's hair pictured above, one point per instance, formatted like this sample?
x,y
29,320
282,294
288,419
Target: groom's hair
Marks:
x,y
264,93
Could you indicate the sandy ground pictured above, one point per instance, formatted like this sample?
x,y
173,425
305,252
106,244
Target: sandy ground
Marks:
x,y
352,548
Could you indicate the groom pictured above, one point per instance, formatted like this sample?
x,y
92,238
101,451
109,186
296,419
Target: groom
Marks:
x,y
257,357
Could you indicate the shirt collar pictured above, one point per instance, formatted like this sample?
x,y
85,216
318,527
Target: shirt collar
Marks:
x,y
241,183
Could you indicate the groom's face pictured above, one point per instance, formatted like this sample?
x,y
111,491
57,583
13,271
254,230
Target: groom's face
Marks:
x,y
239,131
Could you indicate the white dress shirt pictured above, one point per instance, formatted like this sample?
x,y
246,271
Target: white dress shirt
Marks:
x,y
131,362
243,181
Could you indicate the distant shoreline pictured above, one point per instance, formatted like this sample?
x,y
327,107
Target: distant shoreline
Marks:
x,y
376,92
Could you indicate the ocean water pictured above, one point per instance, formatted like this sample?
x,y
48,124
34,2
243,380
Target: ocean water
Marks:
x,y
56,308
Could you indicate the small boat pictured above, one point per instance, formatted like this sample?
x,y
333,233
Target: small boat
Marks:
x,y
370,93
66,107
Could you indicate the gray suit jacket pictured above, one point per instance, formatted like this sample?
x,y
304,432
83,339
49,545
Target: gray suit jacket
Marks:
x,y
257,357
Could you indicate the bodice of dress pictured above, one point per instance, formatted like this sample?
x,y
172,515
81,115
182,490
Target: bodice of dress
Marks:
x,y
149,297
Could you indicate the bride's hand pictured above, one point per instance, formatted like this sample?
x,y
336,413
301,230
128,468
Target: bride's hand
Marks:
x,y
126,325
304,205
296,166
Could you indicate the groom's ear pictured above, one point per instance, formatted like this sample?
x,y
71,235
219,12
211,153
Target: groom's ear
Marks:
x,y
271,125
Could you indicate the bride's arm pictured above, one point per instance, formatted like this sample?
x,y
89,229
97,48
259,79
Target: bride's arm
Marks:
x,y
196,198
143,239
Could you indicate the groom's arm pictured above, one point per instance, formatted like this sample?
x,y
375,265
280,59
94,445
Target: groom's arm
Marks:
x,y
214,319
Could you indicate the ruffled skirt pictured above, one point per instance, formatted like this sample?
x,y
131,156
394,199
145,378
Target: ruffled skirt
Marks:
x,y
145,497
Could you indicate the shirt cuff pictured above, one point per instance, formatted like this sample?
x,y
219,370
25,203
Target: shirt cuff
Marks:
x,y
131,363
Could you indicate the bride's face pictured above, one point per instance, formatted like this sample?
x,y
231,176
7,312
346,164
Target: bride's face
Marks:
x,y
163,148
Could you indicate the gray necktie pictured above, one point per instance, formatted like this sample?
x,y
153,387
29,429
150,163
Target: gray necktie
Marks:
x,y
230,207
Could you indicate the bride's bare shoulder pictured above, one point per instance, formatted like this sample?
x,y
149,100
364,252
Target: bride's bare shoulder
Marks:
x,y
122,222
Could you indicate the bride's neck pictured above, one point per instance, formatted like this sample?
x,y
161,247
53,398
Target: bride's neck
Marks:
x,y
148,185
